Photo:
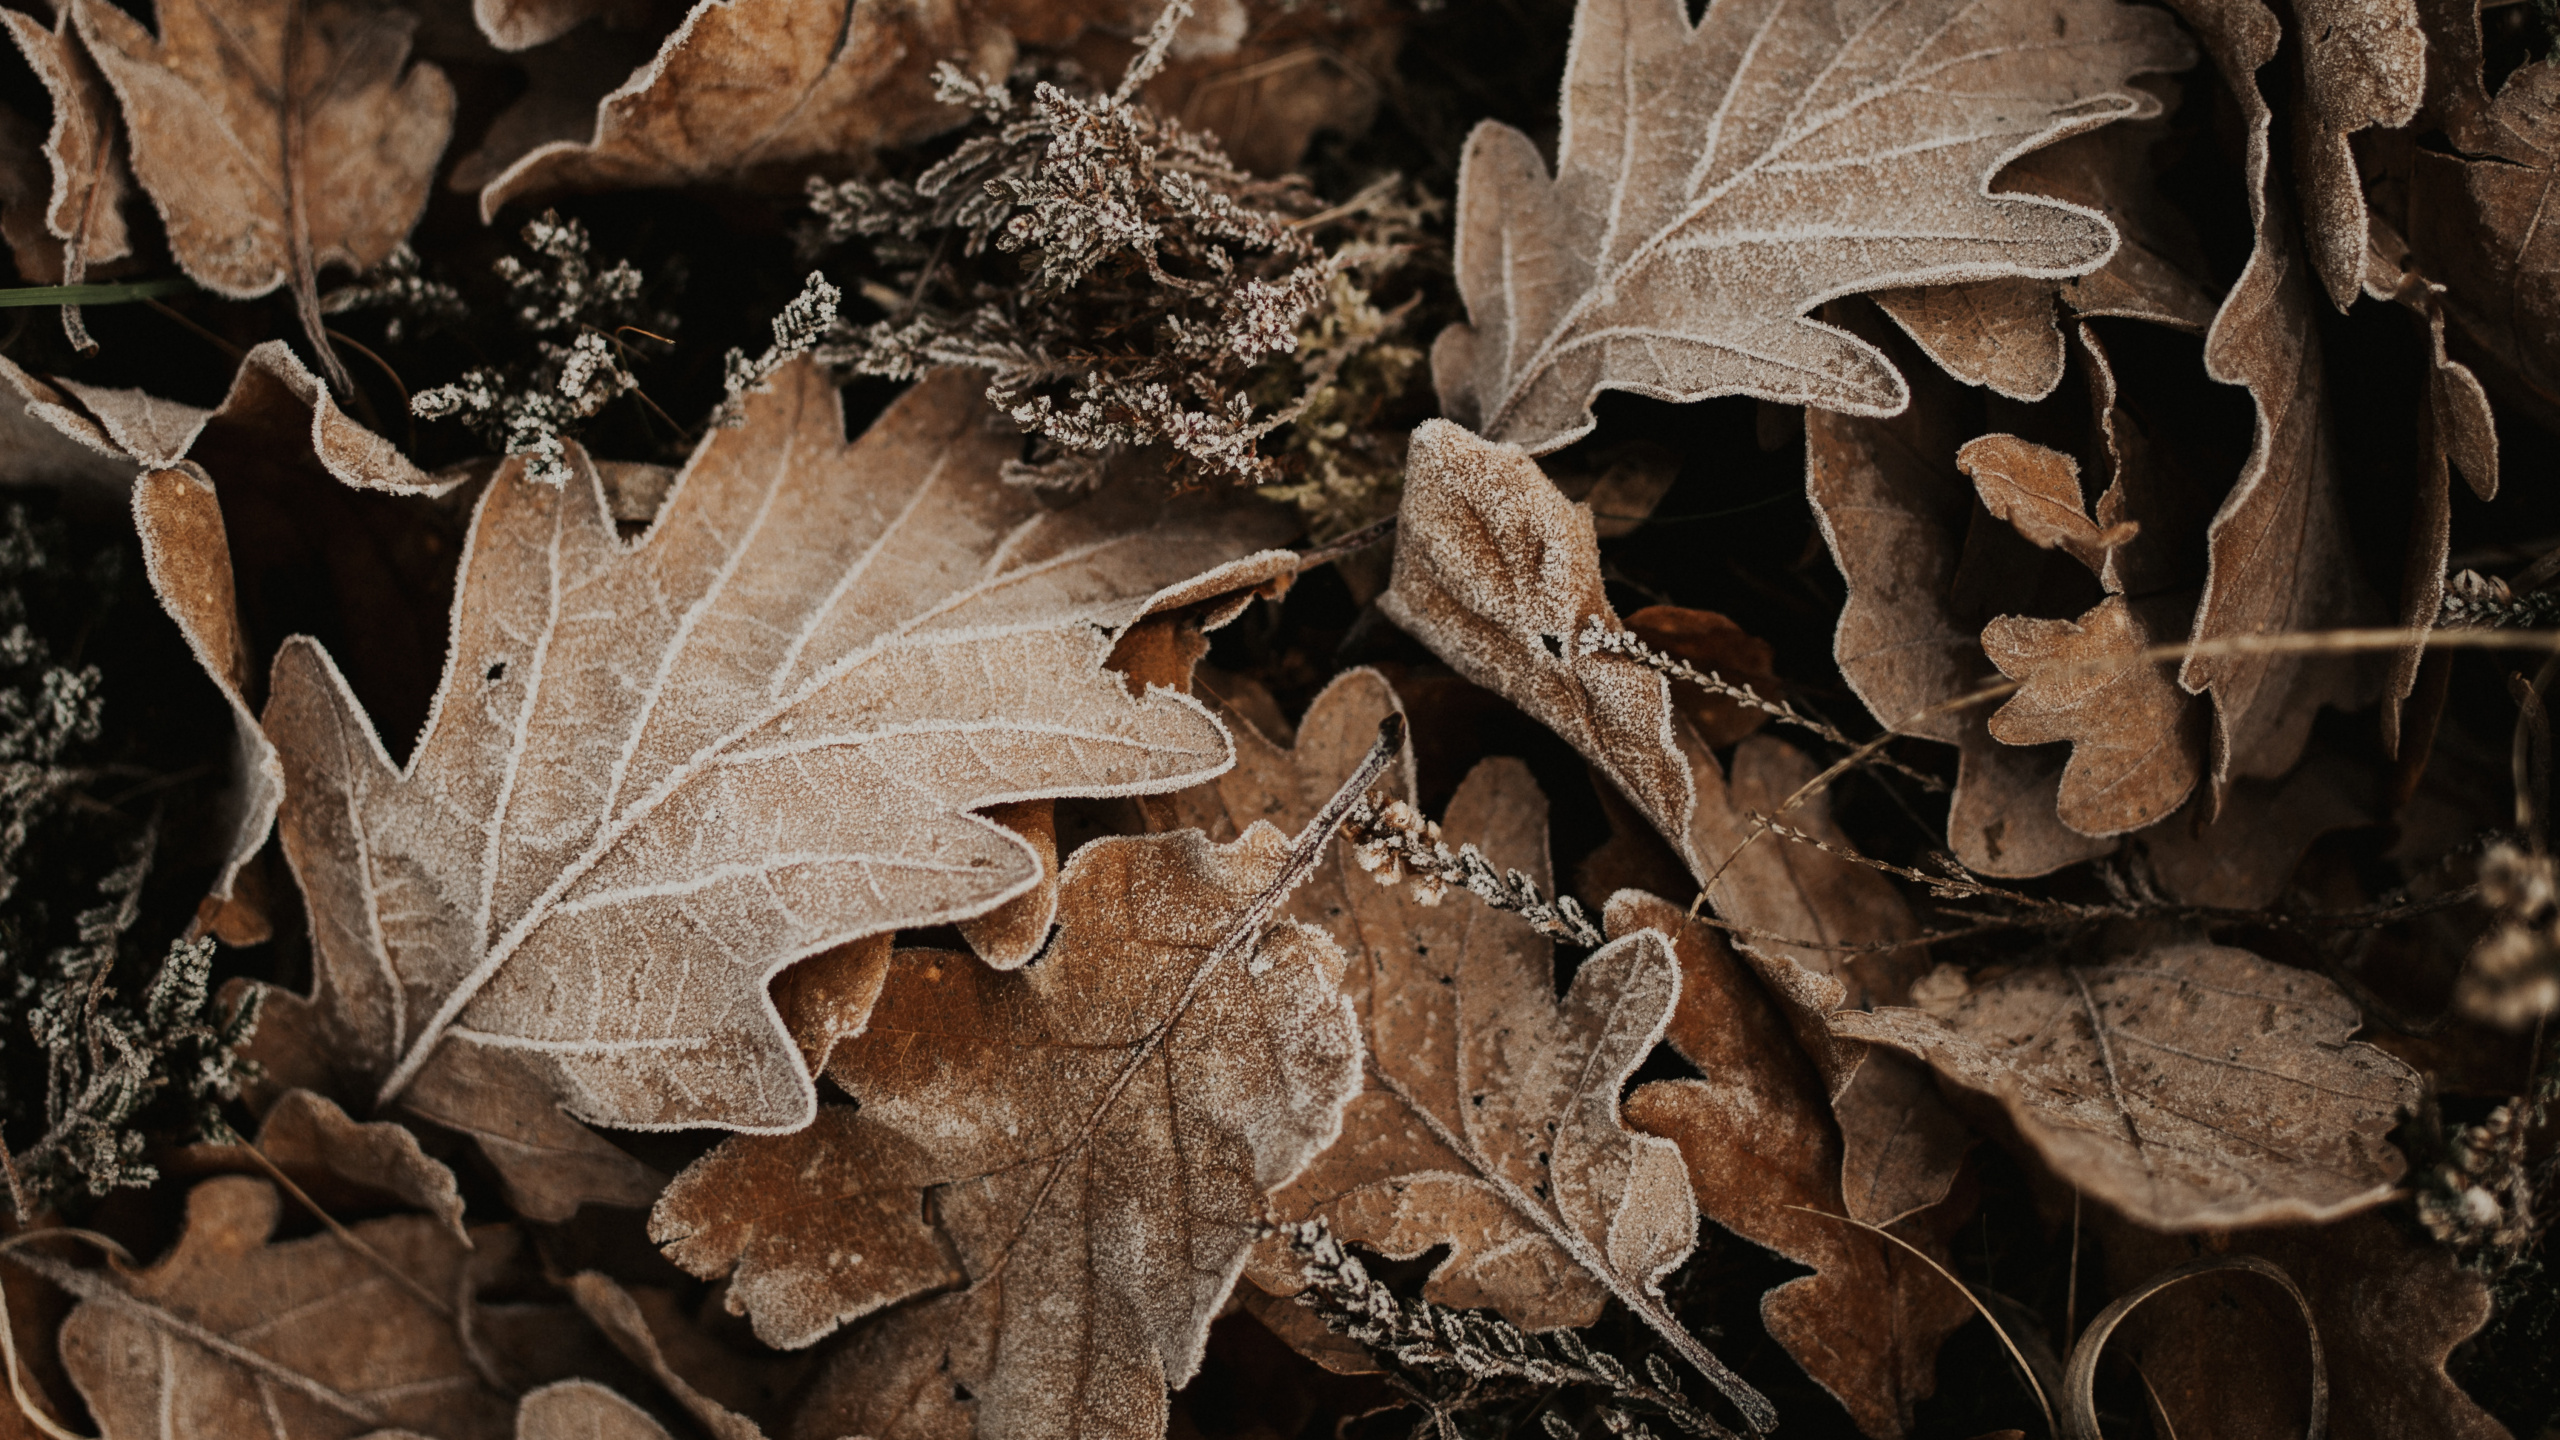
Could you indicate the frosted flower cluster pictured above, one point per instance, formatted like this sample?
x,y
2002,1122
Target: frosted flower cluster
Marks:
x,y
1154,286
576,311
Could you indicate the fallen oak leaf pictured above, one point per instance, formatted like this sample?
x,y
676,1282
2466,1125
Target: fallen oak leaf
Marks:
x,y
1095,1133
275,138
653,742
2472,214
1489,1120
2002,334
234,1334
2457,430
2037,490
1715,181
643,1337
749,88
2189,1085
583,1410
1895,514
2280,560
2135,736
1757,1136
187,552
307,1132
2363,65
1997,334
1500,575
1713,645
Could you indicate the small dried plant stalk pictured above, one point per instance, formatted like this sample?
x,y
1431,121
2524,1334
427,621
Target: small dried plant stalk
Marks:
x,y
1598,638
2473,601
1396,846
1487,1357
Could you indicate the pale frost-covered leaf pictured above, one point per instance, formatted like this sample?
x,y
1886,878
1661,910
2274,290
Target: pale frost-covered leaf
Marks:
x,y
83,212
1714,182
275,137
1489,1119
1500,575
1085,1142
2189,1085
656,773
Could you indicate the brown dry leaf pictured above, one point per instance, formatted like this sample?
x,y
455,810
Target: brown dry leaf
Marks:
x,y
187,551
2225,1355
83,215
2280,560
1715,182
583,1410
1714,644
646,1334
1488,1123
233,1335
627,812
1500,575
2475,215
2241,856
2001,334
307,1133
2037,490
1894,511
275,137
2192,1086
1292,70
1094,1134
745,87
2135,738
1758,1139
913,1374
1998,334
524,24
2457,432
2363,64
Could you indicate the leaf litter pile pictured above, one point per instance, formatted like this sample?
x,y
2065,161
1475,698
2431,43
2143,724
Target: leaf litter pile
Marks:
x,y
921,719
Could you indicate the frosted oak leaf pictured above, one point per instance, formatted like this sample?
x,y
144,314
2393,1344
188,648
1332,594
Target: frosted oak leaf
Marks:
x,y
1086,1142
1489,1119
275,137
657,773
1714,182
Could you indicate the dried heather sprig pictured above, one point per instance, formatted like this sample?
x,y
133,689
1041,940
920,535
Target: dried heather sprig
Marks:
x,y
1157,295
796,331
571,307
1397,846
1485,1356
105,1062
